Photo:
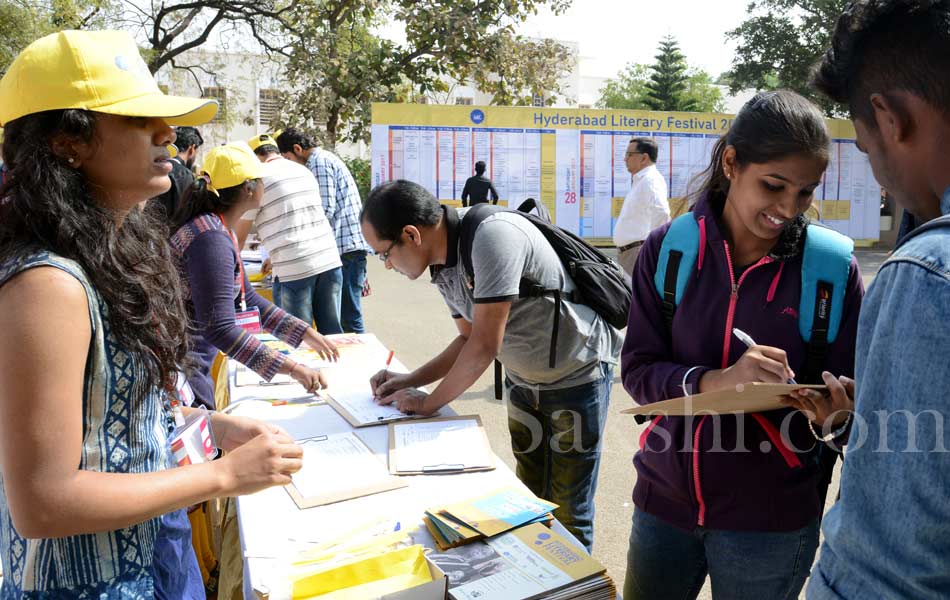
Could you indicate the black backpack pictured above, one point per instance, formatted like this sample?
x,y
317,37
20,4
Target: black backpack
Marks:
x,y
599,281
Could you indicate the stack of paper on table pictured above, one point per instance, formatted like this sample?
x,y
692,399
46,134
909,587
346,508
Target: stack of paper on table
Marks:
x,y
529,562
338,467
437,446
486,516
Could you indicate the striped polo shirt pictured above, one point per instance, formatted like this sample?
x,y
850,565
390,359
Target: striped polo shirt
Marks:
x,y
291,222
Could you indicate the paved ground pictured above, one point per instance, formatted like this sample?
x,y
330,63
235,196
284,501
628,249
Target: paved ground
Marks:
x,y
410,317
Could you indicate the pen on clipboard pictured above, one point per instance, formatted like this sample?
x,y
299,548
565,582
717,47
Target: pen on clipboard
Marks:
x,y
746,339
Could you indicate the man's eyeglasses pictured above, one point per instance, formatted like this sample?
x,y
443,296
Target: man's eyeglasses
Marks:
x,y
385,255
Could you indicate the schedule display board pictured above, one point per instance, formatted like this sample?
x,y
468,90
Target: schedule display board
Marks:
x,y
572,160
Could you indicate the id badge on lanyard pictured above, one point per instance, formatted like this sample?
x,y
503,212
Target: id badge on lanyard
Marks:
x,y
193,442
249,320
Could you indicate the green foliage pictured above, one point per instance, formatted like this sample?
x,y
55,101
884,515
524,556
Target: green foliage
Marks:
x,y
24,21
778,44
517,69
702,92
340,68
629,91
667,88
360,169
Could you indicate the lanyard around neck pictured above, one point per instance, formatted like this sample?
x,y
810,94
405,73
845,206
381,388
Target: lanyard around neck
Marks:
x,y
240,263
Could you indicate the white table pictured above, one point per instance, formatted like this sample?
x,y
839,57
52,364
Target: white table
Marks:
x,y
272,527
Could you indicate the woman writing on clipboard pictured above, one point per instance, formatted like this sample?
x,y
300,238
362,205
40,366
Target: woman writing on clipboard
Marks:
x,y
737,497
219,293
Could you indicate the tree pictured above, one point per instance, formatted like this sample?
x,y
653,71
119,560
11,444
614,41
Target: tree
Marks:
x,y
668,83
172,29
23,21
780,42
628,90
338,67
703,93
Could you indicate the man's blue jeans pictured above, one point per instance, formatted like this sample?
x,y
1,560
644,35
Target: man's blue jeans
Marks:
x,y
354,276
314,299
555,437
667,563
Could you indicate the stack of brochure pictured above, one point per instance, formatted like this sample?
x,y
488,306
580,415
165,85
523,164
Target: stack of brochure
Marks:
x,y
486,516
526,563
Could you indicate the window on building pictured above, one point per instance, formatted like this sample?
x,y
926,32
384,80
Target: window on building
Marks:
x,y
584,106
537,100
464,100
422,100
268,103
221,95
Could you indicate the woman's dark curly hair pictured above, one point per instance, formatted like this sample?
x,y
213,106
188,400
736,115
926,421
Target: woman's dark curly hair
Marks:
x,y
47,204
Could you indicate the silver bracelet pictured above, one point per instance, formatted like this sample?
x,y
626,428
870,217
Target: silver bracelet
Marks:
x,y
685,377
834,434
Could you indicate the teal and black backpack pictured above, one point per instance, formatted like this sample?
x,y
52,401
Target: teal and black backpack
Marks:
x,y
826,264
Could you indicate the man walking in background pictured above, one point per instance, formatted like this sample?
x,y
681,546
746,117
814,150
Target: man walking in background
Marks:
x,y
645,208
478,187
290,222
342,206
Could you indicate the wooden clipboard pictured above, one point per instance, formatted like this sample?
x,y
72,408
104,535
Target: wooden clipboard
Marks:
x,y
438,468
748,398
358,491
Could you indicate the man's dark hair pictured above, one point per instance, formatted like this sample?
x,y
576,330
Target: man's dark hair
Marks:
x,y
480,167
395,204
646,146
880,46
291,136
266,149
186,137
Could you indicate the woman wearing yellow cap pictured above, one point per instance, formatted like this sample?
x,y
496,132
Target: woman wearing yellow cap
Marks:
x,y
94,333
218,289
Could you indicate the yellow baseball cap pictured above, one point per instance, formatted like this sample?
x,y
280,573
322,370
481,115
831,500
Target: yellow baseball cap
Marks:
x,y
230,165
100,71
261,140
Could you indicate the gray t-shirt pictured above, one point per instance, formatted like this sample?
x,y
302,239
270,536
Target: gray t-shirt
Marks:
x,y
505,249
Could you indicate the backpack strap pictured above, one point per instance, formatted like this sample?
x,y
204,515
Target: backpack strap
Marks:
x,y
826,264
676,260
467,227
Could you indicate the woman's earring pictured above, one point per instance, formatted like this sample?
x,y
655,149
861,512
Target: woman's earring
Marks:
x,y
70,160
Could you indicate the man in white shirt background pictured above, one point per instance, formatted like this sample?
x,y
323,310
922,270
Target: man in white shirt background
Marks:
x,y
645,208
308,274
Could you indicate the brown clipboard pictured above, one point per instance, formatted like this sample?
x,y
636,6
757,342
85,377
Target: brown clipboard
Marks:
x,y
304,502
440,468
747,398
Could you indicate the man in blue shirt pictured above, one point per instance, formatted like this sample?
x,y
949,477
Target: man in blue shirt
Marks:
x,y
342,205
889,535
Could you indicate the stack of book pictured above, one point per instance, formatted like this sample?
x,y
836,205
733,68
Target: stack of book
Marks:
x,y
523,564
486,516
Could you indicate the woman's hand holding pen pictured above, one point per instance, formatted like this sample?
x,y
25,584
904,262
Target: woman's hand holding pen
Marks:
x,y
819,406
759,364
324,347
